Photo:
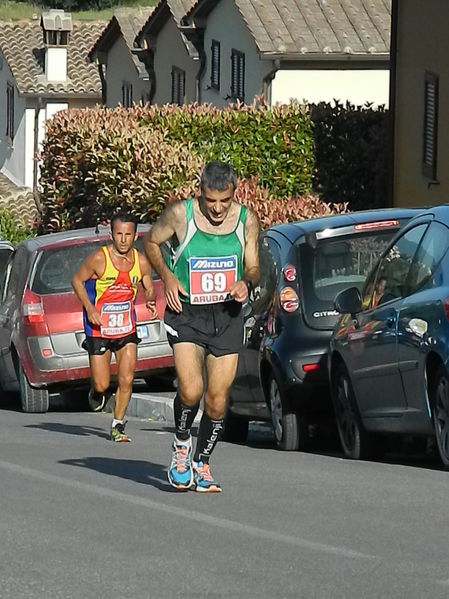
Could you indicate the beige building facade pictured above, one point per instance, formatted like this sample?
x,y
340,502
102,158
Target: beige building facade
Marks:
x,y
420,94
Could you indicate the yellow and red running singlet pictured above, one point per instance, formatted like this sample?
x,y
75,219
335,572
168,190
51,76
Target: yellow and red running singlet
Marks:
x,y
113,296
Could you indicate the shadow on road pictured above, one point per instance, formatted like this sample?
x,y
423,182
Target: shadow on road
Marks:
x,y
138,471
70,429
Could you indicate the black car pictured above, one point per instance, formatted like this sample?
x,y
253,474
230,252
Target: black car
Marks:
x,y
283,367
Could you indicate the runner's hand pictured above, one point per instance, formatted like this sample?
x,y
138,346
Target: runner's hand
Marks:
x,y
239,291
172,290
93,316
151,307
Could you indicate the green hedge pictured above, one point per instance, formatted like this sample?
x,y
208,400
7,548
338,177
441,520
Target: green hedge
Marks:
x,y
351,145
96,160
12,229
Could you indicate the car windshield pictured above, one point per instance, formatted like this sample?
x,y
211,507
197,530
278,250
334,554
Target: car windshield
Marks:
x,y
336,264
56,267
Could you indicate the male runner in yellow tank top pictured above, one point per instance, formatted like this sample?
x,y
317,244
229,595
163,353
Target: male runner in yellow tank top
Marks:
x,y
106,283
214,261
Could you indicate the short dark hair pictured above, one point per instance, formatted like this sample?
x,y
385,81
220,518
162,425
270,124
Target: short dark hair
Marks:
x,y
218,175
124,217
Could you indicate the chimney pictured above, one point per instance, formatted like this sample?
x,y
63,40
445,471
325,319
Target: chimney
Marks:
x,y
56,26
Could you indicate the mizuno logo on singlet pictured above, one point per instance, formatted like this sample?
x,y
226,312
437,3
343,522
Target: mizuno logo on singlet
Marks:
x,y
202,263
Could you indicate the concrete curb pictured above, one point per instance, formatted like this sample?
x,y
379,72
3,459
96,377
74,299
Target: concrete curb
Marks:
x,y
154,407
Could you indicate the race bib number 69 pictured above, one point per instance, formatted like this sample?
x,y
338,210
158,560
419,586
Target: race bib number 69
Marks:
x,y
211,279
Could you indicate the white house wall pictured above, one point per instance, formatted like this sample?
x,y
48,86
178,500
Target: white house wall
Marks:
x,y
172,52
225,25
313,86
12,152
30,118
121,69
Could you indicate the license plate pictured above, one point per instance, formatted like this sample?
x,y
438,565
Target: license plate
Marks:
x,y
142,331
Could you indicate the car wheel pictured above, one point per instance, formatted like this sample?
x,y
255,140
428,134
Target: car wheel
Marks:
x,y
357,444
440,404
31,399
235,428
290,429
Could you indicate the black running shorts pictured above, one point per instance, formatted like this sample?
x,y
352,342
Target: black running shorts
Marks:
x,y
97,346
218,328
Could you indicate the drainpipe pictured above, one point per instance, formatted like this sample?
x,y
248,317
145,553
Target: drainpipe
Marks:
x,y
101,72
202,54
37,110
392,104
147,57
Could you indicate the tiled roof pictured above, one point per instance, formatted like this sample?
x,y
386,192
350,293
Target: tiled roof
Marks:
x,y
19,200
23,49
177,8
126,22
312,28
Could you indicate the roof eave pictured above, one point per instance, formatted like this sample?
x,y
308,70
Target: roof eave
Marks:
x,y
155,22
301,57
199,11
109,36
61,96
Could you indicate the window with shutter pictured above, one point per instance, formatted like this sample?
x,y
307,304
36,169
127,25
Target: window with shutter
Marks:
x,y
215,65
237,75
127,94
10,111
178,84
430,125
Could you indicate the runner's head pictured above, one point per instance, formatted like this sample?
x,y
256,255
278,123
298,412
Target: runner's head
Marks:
x,y
123,217
218,183
123,232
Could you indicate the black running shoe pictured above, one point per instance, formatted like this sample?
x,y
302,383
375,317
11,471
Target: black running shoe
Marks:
x,y
97,401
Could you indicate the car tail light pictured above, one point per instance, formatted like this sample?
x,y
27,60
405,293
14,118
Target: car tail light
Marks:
x,y
381,224
446,307
289,299
289,272
311,367
32,308
271,323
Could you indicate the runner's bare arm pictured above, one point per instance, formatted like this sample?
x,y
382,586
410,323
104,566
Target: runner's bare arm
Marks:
x,y
92,268
251,271
170,223
148,286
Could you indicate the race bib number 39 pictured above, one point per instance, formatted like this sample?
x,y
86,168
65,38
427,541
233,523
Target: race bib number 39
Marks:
x,y
211,279
116,319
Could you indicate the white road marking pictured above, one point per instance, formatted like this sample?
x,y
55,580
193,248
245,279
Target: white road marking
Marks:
x,y
222,523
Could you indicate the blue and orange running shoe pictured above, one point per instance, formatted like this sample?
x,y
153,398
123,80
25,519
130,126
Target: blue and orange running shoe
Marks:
x,y
203,480
180,473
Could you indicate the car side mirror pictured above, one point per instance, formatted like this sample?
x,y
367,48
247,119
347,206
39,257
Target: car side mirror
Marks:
x,y
348,301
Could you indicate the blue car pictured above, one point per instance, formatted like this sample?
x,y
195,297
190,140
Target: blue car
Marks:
x,y
282,374
389,351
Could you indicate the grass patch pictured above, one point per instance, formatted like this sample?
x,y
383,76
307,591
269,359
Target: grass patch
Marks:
x,y
16,11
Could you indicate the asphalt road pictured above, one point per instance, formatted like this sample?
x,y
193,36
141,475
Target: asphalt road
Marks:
x,y
83,517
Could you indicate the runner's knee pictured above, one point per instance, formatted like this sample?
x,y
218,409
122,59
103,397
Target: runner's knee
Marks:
x,y
190,393
101,385
215,405
125,380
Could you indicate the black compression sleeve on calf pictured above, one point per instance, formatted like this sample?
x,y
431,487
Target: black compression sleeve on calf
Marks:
x,y
184,417
208,436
